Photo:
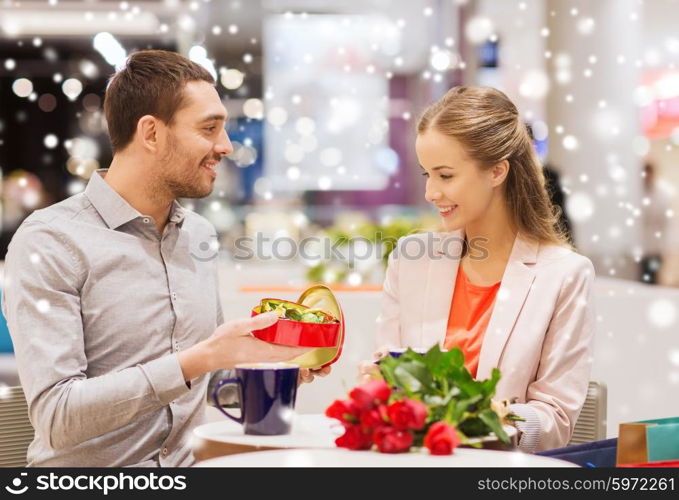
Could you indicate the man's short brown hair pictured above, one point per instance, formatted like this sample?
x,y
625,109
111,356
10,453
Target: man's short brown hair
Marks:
x,y
151,83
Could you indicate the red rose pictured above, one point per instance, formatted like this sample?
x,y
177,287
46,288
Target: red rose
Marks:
x,y
354,438
441,439
370,393
370,419
407,414
343,410
384,413
392,440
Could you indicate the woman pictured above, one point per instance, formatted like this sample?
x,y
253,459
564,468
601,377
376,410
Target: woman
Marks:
x,y
501,282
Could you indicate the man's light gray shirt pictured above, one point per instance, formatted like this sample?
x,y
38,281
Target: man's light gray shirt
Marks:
x,y
98,306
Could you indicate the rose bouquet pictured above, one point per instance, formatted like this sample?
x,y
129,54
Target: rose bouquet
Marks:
x,y
422,400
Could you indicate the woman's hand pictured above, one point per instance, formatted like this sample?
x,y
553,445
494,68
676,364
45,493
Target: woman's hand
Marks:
x,y
370,369
307,375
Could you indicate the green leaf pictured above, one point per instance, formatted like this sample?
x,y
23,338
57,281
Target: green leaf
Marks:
x,y
466,441
458,408
490,384
435,400
433,358
454,357
473,426
387,366
413,376
490,418
443,364
454,392
436,414
410,355
468,385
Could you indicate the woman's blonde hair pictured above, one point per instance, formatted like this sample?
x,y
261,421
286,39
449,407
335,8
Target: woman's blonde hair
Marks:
x,y
488,126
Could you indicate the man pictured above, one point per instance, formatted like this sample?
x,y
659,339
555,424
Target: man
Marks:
x,y
116,327
657,201
558,198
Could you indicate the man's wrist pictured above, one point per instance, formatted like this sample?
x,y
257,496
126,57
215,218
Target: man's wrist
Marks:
x,y
194,361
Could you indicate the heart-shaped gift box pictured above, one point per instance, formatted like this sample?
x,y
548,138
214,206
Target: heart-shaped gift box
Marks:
x,y
298,325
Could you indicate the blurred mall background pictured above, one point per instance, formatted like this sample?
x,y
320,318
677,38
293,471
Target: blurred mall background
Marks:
x,y
323,98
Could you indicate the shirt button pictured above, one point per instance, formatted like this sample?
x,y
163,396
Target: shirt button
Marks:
x,y
146,220
164,451
174,296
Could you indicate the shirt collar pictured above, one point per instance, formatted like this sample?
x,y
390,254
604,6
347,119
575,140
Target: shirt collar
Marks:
x,y
114,209
177,213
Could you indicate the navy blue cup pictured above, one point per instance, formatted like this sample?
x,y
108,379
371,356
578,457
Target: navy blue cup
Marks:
x,y
267,397
398,352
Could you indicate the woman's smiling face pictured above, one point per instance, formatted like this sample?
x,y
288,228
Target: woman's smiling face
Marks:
x,y
456,185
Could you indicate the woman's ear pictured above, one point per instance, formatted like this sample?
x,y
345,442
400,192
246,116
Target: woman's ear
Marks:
x,y
499,172
147,132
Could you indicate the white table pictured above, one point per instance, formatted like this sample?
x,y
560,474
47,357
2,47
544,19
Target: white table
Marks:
x,y
462,457
316,432
226,437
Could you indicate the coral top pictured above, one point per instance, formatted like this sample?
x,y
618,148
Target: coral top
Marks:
x,y
470,312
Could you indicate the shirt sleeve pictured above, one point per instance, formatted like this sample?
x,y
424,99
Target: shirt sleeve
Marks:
x,y
554,400
529,427
41,301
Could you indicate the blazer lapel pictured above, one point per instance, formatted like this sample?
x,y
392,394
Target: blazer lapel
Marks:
x,y
441,274
516,282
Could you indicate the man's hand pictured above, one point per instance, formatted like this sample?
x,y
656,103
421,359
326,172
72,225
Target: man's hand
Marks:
x,y
231,344
307,375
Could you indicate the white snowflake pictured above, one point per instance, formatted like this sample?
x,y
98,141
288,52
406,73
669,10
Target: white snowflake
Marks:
x,y
478,29
22,87
586,25
661,313
570,142
43,305
50,141
580,206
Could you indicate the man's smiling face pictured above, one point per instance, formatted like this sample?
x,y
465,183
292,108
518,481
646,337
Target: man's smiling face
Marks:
x,y
195,141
